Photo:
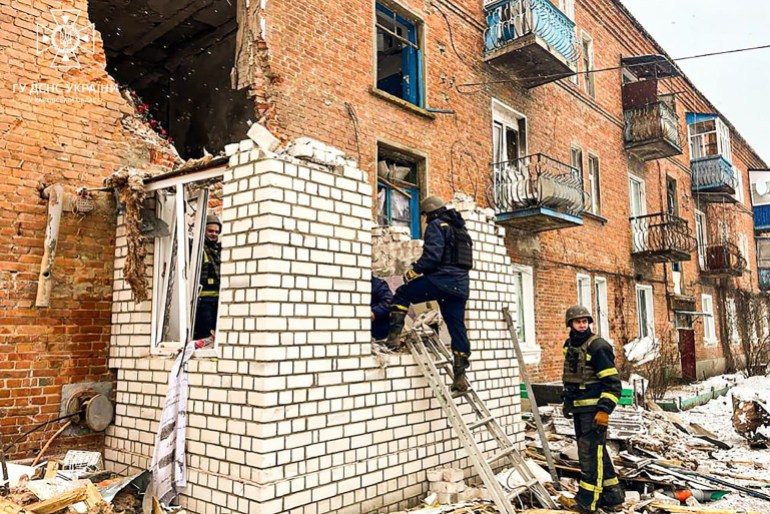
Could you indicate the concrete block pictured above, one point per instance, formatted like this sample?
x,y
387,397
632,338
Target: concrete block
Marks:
x,y
263,137
446,498
447,487
435,475
453,475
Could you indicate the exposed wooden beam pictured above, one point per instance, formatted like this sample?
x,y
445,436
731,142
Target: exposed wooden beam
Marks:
x,y
167,26
182,52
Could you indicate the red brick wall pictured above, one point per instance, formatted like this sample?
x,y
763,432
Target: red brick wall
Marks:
x,y
322,58
60,140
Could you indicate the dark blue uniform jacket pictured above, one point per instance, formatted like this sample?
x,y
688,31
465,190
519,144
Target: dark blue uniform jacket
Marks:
x,y
381,300
449,279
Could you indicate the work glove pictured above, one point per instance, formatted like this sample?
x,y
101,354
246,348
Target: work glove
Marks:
x,y
601,420
410,275
566,412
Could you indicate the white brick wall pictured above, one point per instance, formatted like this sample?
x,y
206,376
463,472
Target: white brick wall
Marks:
x,y
296,415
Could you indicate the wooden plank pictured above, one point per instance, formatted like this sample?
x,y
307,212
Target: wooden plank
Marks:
x,y
93,497
51,469
58,502
45,278
156,506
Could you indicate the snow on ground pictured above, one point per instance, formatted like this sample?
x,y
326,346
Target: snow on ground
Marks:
x,y
716,416
696,388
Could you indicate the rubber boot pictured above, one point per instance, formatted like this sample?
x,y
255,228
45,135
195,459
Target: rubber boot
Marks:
x,y
460,383
397,320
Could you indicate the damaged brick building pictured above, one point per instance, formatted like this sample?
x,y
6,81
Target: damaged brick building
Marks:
x,y
624,190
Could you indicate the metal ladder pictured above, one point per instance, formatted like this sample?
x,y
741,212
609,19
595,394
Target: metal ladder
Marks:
x,y
431,355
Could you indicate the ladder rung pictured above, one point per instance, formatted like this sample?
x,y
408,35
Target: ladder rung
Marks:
x,y
501,454
458,394
480,423
441,362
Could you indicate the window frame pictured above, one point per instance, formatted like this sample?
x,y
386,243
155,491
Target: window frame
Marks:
x,y
594,184
722,138
572,152
583,282
185,288
648,292
524,278
601,309
701,237
587,49
415,38
419,186
739,196
643,195
709,323
506,116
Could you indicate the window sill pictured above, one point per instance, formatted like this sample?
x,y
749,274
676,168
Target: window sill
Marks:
x,y
595,217
172,349
379,93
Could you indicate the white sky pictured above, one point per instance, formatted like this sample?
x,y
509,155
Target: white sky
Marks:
x,y
737,84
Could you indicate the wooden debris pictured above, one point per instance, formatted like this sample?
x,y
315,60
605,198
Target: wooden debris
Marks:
x,y
51,469
701,433
697,510
88,494
9,507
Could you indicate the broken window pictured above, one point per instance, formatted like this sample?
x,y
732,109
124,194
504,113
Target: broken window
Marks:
x,y
399,58
176,58
398,190
185,304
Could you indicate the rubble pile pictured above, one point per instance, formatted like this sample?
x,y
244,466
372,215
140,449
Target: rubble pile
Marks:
x,y
75,484
698,461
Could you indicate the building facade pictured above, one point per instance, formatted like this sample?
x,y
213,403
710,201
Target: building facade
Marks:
x,y
620,185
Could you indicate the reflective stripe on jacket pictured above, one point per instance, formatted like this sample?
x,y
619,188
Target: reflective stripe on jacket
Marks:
x,y
600,386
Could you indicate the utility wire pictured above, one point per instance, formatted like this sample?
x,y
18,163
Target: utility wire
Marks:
x,y
557,76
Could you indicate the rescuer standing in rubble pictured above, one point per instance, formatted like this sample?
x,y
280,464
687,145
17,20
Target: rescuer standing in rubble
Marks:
x,y
440,274
592,389
208,297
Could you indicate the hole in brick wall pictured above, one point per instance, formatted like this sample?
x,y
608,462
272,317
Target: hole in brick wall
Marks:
x,y
177,56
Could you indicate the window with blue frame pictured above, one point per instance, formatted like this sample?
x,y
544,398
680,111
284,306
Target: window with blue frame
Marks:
x,y
398,190
399,58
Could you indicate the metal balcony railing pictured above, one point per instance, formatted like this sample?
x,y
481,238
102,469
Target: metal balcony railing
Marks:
x,y
721,260
661,237
536,181
650,123
509,20
712,174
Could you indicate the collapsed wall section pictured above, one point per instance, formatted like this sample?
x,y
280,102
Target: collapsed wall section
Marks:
x,y
296,414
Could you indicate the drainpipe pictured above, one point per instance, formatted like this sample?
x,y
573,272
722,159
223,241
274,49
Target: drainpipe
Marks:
x,y
55,195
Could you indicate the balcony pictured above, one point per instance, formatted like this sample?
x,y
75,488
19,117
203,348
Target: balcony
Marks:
x,y
530,39
661,237
721,260
712,177
764,279
536,193
652,132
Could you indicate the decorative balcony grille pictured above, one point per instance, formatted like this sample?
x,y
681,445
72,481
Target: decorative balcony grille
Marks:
x,y
721,260
537,181
713,174
650,123
509,20
661,237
